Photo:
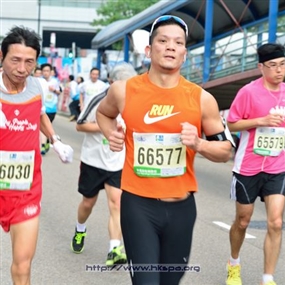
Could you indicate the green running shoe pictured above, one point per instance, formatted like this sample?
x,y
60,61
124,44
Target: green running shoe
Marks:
x,y
116,256
47,147
77,243
43,149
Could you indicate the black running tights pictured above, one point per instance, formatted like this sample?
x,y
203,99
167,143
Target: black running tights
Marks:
x,y
156,233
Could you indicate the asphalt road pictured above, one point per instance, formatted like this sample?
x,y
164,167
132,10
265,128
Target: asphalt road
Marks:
x,y
55,264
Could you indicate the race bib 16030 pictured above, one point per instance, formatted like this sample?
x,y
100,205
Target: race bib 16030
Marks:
x,y
16,170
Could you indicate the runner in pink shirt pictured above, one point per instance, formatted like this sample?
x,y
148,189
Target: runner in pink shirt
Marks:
x,y
258,112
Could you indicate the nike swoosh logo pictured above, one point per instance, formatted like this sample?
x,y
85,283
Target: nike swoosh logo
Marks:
x,y
149,120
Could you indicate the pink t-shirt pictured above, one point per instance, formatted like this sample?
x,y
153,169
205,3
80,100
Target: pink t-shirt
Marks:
x,y
255,101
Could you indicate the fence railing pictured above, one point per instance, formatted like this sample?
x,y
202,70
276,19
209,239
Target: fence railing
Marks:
x,y
230,55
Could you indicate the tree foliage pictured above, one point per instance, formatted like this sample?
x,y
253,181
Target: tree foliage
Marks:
x,y
114,10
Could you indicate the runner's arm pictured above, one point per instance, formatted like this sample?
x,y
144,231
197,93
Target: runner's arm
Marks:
x,y
214,150
88,127
271,120
110,107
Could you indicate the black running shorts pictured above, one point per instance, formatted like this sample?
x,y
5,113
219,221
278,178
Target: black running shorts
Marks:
x,y
245,189
92,180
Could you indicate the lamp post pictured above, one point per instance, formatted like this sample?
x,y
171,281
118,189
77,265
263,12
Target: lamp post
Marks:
x,y
39,15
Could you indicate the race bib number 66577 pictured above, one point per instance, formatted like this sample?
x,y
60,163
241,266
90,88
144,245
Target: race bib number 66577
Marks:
x,y
159,155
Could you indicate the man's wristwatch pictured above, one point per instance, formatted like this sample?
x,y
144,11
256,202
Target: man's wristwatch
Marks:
x,y
55,138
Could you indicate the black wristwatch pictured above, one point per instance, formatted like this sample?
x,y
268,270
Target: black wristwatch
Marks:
x,y
55,138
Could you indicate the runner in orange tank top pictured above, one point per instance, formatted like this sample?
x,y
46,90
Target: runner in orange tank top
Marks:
x,y
165,116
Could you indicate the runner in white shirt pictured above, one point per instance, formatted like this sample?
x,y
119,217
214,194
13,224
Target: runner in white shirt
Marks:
x,y
91,87
100,168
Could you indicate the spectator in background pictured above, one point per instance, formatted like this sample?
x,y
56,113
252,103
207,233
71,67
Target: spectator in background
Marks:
x,y
104,71
74,96
80,81
54,73
37,72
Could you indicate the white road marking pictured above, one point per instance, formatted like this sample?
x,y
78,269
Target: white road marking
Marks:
x,y
225,226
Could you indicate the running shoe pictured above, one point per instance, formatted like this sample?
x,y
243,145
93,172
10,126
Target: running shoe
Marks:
x,y
269,283
233,275
72,118
116,256
77,243
47,146
43,149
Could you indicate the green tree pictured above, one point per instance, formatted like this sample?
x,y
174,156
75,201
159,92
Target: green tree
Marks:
x,y
114,10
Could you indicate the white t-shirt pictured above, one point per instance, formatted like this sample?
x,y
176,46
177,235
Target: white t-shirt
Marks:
x,y
74,90
89,89
95,149
45,88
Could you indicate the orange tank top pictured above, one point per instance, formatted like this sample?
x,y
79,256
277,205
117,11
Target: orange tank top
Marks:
x,y
157,165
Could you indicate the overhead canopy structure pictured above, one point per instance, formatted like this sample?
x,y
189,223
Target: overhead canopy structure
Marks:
x,y
119,29
208,21
227,15
104,35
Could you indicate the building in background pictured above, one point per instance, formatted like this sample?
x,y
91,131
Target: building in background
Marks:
x,y
70,20
64,26
66,31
